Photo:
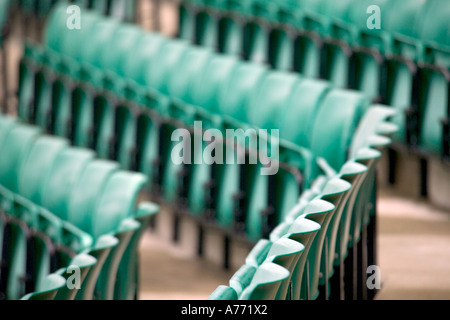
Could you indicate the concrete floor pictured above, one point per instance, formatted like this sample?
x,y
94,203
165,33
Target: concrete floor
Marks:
x,y
414,249
168,273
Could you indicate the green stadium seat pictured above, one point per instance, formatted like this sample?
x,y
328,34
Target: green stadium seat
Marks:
x,y
100,251
123,10
43,98
205,94
190,64
127,281
301,111
338,197
256,31
187,20
228,187
231,28
318,257
106,283
242,277
377,121
38,165
259,252
353,173
82,263
6,124
284,35
101,6
207,22
33,177
243,82
27,248
285,252
67,168
435,112
14,253
271,95
120,189
27,73
147,145
303,231
17,144
49,290
265,283
353,107
223,293
35,168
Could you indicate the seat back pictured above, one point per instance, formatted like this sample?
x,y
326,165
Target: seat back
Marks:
x,y
265,283
67,169
17,144
38,166
50,289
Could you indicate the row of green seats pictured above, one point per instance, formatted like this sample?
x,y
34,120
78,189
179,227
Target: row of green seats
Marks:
x,y
417,23
53,285
123,10
304,251
149,137
33,246
395,51
82,204
187,83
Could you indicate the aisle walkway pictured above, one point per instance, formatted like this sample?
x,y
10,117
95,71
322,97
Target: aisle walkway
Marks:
x,y
414,250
